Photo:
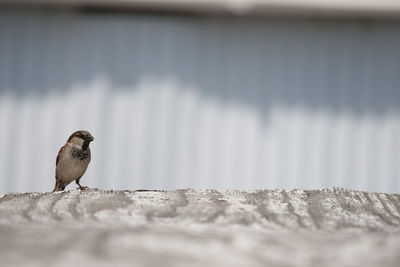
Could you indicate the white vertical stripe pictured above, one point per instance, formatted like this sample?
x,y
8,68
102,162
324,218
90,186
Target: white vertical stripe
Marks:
x,y
208,128
385,154
20,143
6,116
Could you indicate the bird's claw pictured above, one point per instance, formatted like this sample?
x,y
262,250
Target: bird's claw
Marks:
x,y
83,187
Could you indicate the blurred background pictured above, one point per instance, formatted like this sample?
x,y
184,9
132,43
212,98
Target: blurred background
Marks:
x,y
228,94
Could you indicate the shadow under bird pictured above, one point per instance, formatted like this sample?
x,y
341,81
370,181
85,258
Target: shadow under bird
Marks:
x,y
73,160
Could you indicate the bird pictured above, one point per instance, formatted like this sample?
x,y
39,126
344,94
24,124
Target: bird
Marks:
x,y
73,160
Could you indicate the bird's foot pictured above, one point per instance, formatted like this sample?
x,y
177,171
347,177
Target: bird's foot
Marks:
x,y
83,187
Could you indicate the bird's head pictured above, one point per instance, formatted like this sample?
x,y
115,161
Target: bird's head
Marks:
x,y
80,139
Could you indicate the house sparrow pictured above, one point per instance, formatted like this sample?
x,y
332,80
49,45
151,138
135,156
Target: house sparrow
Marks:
x,y
73,160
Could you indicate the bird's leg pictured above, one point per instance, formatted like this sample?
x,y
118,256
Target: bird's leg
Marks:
x,y
80,187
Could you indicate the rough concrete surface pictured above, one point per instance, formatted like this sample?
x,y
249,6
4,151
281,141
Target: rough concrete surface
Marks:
x,y
329,227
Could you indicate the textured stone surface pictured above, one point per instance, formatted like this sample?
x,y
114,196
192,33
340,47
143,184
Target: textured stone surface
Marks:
x,y
330,227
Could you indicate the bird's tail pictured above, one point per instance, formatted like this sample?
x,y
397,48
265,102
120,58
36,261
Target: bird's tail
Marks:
x,y
59,186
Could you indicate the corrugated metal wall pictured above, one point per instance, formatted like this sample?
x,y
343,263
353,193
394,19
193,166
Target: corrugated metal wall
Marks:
x,y
200,102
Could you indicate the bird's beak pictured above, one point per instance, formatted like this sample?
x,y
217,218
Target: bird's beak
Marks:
x,y
89,138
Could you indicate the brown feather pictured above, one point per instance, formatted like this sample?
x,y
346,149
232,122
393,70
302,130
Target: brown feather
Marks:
x,y
58,155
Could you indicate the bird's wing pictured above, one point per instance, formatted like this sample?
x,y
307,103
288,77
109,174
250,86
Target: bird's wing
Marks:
x,y
58,155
